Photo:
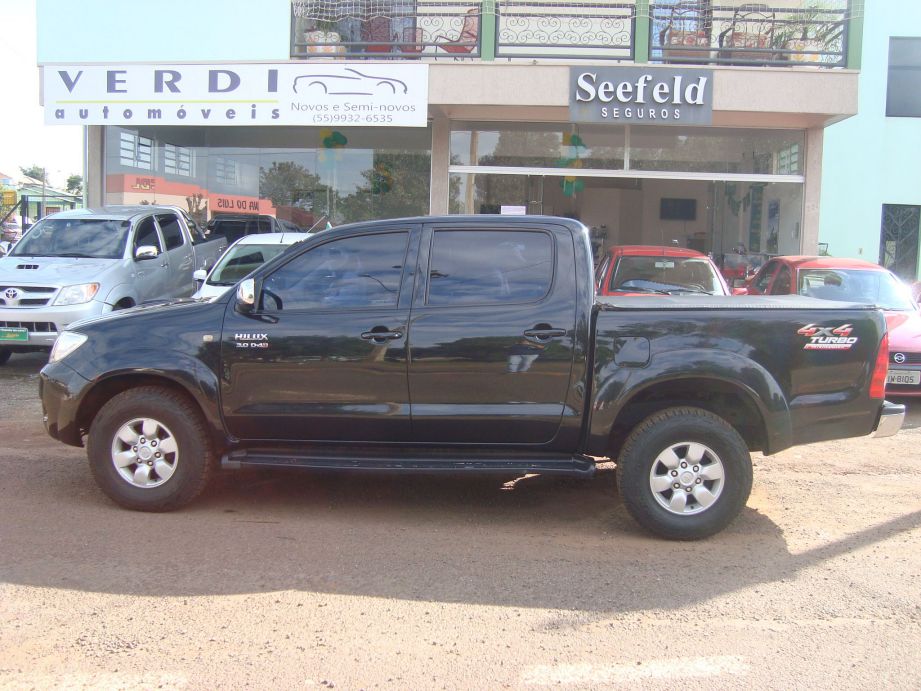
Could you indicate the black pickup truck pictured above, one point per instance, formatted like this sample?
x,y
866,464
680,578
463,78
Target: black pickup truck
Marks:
x,y
465,344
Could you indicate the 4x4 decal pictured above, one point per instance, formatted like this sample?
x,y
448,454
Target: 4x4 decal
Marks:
x,y
828,337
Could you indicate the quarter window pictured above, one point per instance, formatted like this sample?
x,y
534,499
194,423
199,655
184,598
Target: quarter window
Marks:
x,y
350,273
482,267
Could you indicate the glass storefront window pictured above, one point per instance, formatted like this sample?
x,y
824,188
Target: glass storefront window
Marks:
x,y
297,174
716,150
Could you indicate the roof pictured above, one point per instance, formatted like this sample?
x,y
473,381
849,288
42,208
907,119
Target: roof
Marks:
x,y
288,238
120,212
810,262
653,251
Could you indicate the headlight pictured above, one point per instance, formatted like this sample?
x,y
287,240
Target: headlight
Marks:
x,y
77,295
66,343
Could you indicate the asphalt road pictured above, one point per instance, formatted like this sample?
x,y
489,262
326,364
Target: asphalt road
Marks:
x,y
298,580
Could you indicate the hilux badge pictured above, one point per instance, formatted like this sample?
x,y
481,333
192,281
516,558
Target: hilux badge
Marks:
x,y
251,340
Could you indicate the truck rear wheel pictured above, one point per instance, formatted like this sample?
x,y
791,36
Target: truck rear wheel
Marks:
x,y
684,473
149,450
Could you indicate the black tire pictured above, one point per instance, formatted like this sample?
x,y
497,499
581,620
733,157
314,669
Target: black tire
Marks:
x,y
5,354
639,469
180,426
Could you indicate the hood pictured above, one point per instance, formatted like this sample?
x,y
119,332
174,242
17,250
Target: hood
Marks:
x,y
52,270
145,309
209,291
904,331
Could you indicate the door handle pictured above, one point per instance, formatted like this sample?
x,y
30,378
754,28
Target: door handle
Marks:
x,y
544,334
381,336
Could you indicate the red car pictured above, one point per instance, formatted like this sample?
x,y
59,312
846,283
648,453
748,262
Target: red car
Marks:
x,y
644,269
855,280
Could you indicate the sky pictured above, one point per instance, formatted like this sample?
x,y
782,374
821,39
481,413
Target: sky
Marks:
x,y
24,138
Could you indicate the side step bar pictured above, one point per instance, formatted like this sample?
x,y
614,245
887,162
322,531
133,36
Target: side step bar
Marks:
x,y
435,463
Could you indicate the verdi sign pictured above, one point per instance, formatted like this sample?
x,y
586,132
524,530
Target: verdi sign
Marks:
x,y
362,95
641,95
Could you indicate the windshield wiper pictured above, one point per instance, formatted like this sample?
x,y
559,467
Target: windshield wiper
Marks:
x,y
78,255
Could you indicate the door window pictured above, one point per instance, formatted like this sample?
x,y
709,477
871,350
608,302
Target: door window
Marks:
x,y
351,273
783,282
489,266
147,235
764,279
172,232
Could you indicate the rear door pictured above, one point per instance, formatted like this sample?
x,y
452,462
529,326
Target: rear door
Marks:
x,y
492,329
180,255
323,357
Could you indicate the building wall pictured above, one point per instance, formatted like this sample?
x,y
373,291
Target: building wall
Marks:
x,y
869,159
168,31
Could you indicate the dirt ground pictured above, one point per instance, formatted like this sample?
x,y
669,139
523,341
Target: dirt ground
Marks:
x,y
299,580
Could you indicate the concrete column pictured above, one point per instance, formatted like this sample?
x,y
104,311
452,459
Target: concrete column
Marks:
x,y
812,190
441,159
95,157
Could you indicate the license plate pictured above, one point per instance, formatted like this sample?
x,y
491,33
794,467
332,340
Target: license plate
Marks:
x,y
903,377
14,334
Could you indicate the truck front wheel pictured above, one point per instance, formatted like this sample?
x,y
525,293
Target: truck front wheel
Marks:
x,y
149,450
684,473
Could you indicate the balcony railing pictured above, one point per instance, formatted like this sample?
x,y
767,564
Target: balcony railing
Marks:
x,y
799,32
697,32
554,29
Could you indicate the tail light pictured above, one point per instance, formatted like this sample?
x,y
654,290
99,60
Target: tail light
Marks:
x,y
880,369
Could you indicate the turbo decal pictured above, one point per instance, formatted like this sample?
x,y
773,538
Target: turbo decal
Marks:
x,y
828,337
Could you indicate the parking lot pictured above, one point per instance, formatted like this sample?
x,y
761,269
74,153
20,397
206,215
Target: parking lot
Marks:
x,y
306,580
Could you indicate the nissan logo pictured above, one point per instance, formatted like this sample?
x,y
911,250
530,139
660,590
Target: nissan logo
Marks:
x,y
11,294
899,358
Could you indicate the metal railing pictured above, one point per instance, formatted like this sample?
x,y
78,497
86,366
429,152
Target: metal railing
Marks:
x,y
698,32
398,29
555,29
679,31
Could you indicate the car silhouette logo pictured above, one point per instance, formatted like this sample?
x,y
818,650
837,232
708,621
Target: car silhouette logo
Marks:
x,y
11,294
899,358
353,84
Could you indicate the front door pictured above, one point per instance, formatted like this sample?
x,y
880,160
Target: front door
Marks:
x,y
152,276
492,335
323,355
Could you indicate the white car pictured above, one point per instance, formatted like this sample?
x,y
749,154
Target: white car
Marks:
x,y
245,255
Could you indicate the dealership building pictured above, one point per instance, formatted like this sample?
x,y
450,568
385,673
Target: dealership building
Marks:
x,y
653,122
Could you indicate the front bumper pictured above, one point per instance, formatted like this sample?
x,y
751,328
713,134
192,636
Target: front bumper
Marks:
x,y
45,323
61,390
890,421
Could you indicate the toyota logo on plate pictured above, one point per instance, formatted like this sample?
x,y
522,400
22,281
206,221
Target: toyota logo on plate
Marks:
x,y
899,358
11,294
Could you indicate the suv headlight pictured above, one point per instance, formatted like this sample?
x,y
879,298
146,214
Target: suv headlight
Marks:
x,y
66,343
77,295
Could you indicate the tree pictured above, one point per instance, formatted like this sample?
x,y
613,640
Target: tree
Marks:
x,y
75,184
397,185
35,172
287,183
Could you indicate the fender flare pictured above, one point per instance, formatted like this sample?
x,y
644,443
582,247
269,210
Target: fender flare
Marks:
x,y
616,387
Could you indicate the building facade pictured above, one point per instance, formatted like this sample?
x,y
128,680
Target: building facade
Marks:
x,y
871,198
673,122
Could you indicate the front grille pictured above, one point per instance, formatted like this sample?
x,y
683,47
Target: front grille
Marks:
x,y
910,358
33,327
27,296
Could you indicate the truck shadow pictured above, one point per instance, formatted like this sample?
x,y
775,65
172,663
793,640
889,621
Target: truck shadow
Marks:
x,y
527,542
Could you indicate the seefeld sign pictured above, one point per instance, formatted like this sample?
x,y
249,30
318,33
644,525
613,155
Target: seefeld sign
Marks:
x,y
365,95
641,95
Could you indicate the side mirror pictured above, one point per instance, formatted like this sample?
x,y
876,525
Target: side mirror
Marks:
x,y
199,275
246,296
146,252
740,291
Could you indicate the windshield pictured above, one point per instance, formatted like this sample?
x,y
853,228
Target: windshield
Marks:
x,y
240,260
666,275
867,287
74,237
